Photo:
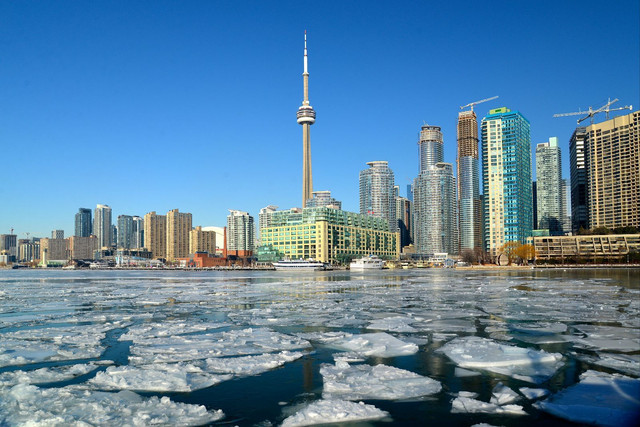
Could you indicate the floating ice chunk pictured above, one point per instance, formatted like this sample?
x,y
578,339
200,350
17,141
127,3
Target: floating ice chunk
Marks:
x,y
324,337
27,404
393,324
334,411
468,405
534,393
539,328
469,394
378,344
22,352
343,381
521,363
45,375
502,395
599,398
461,373
624,363
169,328
157,377
348,356
609,338
251,365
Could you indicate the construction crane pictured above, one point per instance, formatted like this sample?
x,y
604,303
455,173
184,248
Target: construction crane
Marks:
x,y
591,112
471,104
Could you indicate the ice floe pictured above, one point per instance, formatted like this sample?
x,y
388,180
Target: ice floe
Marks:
x,y
378,344
334,411
354,382
599,399
251,365
521,363
468,405
609,338
46,375
534,393
393,324
503,395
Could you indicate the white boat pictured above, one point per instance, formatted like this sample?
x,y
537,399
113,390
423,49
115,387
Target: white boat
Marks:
x,y
299,265
371,262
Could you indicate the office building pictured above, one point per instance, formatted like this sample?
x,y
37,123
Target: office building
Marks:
x,y
578,171
125,232
469,207
9,244
506,178
329,235
240,234
138,233
28,249
102,226
377,195
549,201
155,234
306,116
202,241
83,223
403,219
612,151
178,229
435,216
323,199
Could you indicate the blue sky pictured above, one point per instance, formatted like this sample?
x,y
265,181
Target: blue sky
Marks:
x,y
156,105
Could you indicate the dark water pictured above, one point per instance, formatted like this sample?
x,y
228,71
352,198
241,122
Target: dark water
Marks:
x,y
461,303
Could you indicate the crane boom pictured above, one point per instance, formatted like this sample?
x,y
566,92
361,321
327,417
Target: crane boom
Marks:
x,y
471,104
591,112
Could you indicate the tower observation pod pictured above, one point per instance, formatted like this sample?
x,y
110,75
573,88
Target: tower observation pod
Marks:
x,y
306,116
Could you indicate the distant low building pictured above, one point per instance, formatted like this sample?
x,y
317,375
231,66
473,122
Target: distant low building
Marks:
x,y
586,247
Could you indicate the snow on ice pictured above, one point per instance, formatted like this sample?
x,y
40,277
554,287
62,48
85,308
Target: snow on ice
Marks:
x,y
334,411
378,344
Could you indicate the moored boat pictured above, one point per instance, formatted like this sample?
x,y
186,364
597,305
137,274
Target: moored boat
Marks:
x,y
299,265
371,262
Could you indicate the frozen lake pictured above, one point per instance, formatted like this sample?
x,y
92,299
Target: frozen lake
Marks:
x,y
408,347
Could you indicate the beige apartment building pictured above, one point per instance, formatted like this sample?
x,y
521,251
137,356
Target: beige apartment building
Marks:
x,y
202,241
155,234
82,247
178,229
613,172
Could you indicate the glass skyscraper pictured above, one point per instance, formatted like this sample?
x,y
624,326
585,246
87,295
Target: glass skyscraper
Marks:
x,y
470,208
83,223
102,226
550,211
579,208
377,196
125,232
506,178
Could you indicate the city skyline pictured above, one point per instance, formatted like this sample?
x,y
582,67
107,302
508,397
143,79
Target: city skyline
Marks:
x,y
97,97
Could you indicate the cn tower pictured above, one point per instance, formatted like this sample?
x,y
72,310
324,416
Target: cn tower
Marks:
x,y
306,117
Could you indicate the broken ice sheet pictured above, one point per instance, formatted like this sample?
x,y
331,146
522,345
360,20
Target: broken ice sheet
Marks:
x,y
334,411
45,375
23,352
378,344
502,395
534,393
538,328
467,405
168,328
608,338
393,324
250,365
599,398
520,363
30,405
625,363
344,381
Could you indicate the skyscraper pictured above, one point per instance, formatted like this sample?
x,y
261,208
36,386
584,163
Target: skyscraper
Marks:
x,y
377,196
469,207
578,171
138,233
434,198
240,233
202,241
155,234
102,226
57,234
403,217
125,232
323,199
83,225
506,178
612,151
178,229
306,116
549,187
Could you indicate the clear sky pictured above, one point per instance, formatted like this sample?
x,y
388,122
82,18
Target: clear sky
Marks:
x,y
156,105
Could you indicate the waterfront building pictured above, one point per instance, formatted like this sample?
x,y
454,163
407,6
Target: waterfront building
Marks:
x,y
469,206
612,159
83,224
506,178
202,241
155,234
138,233
306,116
57,234
82,247
377,194
586,248
178,228
54,250
125,232
549,201
221,238
102,226
578,177
329,235
28,249
435,217
323,199
9,244
240,234
264,219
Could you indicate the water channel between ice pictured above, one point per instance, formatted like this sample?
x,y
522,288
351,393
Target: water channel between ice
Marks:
x,y
408,347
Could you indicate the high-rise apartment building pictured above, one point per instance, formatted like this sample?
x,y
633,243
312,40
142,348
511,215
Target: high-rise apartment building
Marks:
x,y
240,233
178,229
566,206
323,199
9,244
57,234
578,171
202,241
612,151
469,207
306,116
155,234
549,203
377,195
82,247
83,223
138,233
506,178
125,232
434,198
403,217
264,218
102,226
54,249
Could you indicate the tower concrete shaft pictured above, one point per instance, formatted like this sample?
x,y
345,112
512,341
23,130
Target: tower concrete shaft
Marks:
x,y
306,116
